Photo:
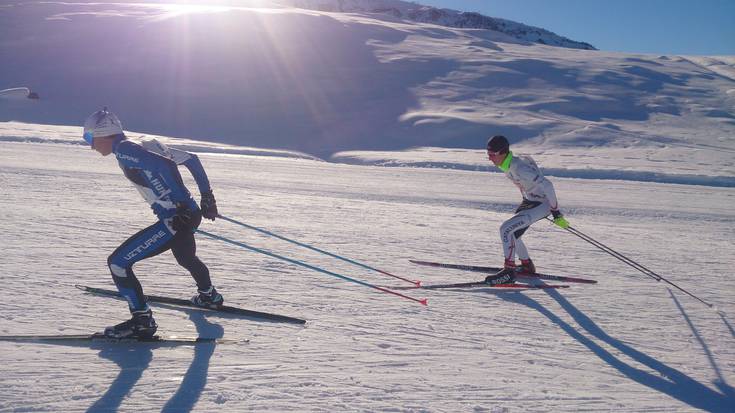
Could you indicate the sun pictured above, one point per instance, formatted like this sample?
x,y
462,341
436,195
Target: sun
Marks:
x,y
198,6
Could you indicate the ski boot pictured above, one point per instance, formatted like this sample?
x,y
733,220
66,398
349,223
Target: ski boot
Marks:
x,y
527,267
505,276
208,298
142,325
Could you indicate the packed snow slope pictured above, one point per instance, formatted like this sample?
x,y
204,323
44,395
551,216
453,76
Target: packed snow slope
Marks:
x,y
327,83
626,344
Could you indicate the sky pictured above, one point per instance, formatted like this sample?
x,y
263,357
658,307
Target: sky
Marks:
x,y
698,27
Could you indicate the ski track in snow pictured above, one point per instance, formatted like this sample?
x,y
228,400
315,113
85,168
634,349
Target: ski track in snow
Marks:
x,y
625,344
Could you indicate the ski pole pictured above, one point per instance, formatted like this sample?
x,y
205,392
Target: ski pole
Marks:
x,y
628,261
359,264
423,301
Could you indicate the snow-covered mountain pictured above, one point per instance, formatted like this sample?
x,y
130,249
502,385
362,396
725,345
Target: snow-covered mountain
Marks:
x,y
444,17
336,84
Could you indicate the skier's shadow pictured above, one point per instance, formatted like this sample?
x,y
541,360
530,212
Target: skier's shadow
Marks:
x,y
133,360
668,380
195,378
720,382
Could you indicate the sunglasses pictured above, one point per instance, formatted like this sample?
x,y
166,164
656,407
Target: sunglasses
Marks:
x,y
89,138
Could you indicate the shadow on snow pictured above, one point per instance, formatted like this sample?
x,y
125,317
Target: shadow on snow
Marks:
x,y
666,379
133,360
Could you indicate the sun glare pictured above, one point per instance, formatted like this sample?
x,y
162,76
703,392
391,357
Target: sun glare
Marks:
x,y
204,6
179,9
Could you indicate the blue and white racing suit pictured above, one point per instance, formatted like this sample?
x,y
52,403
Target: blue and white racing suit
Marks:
x,y
153,169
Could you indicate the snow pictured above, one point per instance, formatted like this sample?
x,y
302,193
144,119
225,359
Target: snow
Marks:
x,y
639,147
627,343
16,93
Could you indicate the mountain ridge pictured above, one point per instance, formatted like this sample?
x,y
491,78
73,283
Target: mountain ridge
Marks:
x,y
444,17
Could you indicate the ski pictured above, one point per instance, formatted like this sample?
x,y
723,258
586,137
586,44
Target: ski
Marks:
x,y
493,270
189,304
101,338
483,284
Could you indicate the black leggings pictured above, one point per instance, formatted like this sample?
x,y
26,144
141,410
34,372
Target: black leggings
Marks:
x,y
150,242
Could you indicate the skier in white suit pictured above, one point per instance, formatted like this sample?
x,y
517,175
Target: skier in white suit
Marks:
x,y
539,200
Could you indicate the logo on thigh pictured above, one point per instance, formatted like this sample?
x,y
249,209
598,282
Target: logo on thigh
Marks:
x,y
145,245
512,228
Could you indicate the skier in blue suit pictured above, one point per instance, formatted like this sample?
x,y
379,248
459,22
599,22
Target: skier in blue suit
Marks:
x,y
153,170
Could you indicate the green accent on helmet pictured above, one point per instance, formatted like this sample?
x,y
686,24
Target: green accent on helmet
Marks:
x,y
505,165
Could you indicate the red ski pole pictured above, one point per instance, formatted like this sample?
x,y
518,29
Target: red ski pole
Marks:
x,y
423,301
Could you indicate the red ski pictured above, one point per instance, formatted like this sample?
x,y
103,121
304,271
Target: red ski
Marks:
x,y
483,284
493,270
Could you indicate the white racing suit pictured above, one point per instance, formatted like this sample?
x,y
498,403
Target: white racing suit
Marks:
x,y
539,199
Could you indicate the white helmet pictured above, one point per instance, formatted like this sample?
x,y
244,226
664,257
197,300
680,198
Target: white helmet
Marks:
x,y
101,123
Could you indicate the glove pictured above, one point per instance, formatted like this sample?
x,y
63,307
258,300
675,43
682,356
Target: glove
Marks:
x,y
182,220
209,205
559,219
